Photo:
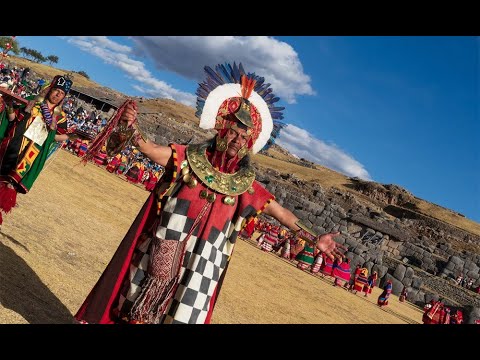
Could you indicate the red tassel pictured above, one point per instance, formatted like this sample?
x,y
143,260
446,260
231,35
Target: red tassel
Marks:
x,y
8,198
102,136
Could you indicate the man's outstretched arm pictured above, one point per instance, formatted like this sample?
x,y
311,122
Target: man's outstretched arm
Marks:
x,y
324,242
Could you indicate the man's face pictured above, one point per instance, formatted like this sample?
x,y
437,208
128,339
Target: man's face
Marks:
x,y
236,139
56,95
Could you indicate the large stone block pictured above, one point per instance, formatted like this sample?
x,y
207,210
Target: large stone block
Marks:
x,y
450,266
457,261
400,272
409,252
352,243
301,214
417,282
357,260
312,218
340,239
471,314
473,275
397,286
369,266
470,265
429,296
378,259
412,295
409,272
359,250
420,301
380,269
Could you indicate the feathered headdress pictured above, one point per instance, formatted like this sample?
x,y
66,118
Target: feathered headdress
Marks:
x,y
229,90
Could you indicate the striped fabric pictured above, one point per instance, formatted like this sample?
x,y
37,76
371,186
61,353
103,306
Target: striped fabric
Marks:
x,y
327,266
318,263
305,258
342,272
361,282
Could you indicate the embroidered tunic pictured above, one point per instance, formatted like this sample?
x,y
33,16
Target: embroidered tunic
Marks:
x,y
22,159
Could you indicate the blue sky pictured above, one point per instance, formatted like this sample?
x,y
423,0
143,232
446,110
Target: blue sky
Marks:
x,y
395,110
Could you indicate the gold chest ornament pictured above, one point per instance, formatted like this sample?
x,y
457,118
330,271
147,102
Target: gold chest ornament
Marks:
x,y
227,184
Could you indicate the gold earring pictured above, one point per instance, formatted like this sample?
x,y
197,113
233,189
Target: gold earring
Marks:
x,y
221,144
242,152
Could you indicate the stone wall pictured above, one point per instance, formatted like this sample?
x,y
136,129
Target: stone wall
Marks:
x,y
404,250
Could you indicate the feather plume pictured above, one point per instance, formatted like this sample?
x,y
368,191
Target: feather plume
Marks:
x,y
232,81
247,86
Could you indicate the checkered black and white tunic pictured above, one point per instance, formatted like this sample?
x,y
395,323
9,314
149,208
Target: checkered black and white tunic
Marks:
x,y
207,249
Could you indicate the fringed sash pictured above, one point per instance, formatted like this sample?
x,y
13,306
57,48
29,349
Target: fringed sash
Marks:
x,y
161,282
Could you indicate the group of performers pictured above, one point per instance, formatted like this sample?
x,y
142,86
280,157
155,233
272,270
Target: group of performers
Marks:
x,y
274,238
436,312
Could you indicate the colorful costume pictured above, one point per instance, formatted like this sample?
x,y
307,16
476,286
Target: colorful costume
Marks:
x,y
436,313
25,144
383,298
152,180
170,266
372,280
250,227
361,281
135,173
270,239
341,272
305,257
114,163
317,264
327,265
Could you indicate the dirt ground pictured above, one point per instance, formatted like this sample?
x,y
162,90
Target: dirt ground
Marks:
x,y
57,241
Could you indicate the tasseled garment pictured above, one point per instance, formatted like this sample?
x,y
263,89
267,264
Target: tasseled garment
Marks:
x,y
8,198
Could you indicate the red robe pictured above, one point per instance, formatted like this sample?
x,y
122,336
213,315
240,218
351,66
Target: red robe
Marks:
x,y
98,306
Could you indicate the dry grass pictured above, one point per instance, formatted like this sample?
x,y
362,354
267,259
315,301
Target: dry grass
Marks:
x,y
56,243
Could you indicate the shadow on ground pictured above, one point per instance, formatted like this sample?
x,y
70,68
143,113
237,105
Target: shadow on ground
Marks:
x,y
23,292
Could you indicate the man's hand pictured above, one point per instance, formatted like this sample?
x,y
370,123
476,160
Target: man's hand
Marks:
x,y
326,244
129,115
72,136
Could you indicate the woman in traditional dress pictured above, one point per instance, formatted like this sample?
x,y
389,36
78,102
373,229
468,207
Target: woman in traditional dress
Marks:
x,y
387,290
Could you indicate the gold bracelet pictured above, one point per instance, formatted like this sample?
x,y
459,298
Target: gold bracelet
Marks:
x,y
138,131
305,232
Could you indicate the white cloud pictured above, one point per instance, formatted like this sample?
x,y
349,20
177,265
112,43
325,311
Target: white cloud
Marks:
x,y
119,55
301,143
101,42
275,60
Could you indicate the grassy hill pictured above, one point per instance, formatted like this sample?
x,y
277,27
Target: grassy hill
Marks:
x,y
278,160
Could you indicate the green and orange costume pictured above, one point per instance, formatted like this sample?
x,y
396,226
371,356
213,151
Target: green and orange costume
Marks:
x,y
21,158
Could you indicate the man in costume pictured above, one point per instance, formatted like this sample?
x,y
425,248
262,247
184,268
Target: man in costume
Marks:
x,y
26,135
383,297
170,266
341,272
